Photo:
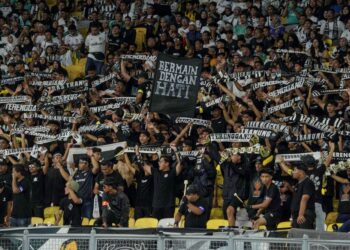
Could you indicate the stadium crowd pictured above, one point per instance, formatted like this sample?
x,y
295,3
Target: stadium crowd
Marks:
x,y
249,51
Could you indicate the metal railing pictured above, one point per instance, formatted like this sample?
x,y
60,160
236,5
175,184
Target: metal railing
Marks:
x,y
167,241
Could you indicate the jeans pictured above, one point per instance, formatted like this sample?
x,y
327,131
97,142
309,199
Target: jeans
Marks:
x,y
320,217
86,209
98,65
20,222
345,228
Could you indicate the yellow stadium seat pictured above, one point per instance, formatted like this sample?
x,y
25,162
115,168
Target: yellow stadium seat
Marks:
x,y
175,211
331,218
85,221
50,221
92,222
131,222
330,229
284,225
216,223
51,3
37,220
131,212
262,228
146,223
77,70
50,211
182,222
216,213
77,14
84,31
177,201
140,38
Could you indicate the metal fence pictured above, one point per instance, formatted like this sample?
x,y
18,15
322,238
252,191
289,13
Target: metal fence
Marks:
x,y
226,241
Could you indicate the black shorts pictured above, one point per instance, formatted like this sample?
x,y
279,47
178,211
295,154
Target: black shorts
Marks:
x,y
309,220
272,219
234,202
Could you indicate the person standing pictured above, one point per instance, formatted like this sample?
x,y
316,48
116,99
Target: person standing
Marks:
x,y
21,188
70,206
85,178
303,203
5,204
95,43
37,193
164,179
194,208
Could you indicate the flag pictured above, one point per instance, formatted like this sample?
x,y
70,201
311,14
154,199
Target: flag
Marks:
x,y
175,86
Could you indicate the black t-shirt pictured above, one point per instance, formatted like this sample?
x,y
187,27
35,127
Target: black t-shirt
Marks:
x,y
37,194
5,197
304,187
101,178
21,201
164,188
54,186
85,179
6,178
316,177
273,193
71,212
144,190
192,220
114,42
219,125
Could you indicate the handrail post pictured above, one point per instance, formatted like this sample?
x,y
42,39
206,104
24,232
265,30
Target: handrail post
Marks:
x,y
231,241
25,243
92,239
305,245
160,242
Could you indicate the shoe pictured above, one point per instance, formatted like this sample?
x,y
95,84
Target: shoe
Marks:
x,y
335,227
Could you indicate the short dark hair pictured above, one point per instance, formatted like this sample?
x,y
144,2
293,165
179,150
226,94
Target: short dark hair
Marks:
x,y
20,169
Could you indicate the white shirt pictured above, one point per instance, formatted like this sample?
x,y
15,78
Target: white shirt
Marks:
x,y
74,41
95,44
346,34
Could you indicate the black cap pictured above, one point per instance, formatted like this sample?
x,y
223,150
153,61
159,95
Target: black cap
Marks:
x,y
308,161
192,189
302,167
35,162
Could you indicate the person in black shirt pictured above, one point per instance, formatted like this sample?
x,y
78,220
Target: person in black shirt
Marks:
x,y
218,123
164,179
115,205
235,175
84,177
303,203
70,206
5,176
106,172
194,208
114,39
21,212
37,194
269,208
144,194
316,172
5,204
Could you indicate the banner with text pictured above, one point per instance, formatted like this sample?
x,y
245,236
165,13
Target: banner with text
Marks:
x,y
175,86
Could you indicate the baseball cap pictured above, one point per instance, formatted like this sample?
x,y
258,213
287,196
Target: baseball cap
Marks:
x,y
73,185
192,189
